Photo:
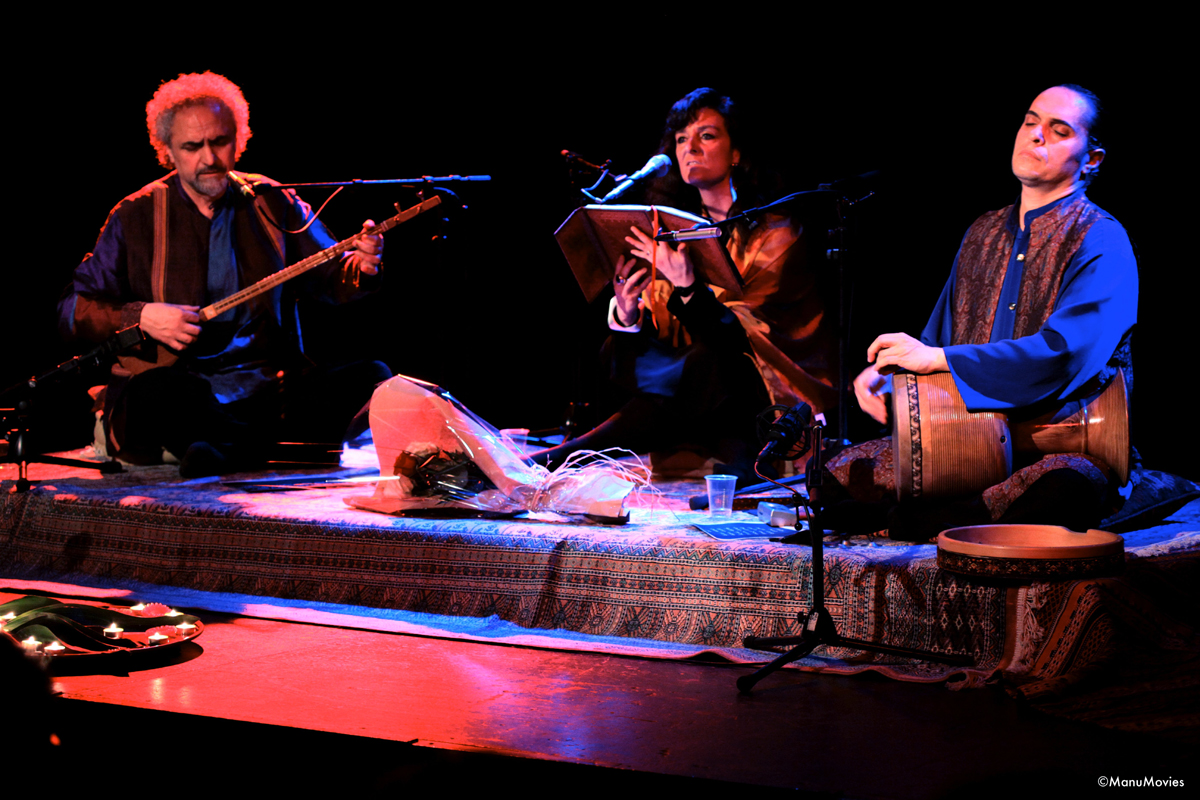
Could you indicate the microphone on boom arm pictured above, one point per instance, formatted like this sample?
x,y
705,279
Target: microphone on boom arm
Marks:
x,y
656,167
243,185
791,430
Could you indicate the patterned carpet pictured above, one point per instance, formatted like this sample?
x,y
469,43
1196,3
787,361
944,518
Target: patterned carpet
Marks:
x,y
655,580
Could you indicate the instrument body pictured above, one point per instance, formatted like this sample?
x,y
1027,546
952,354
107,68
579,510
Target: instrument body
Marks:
x,y
940,449
1030,552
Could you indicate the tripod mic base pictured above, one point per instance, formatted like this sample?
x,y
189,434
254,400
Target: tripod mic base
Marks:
x,y
819,629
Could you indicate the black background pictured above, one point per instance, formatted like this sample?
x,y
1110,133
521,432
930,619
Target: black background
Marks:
x,y
492,312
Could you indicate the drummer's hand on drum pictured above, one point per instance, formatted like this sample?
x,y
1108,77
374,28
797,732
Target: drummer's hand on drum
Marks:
x,y
867,388
893,351
628,285
674,264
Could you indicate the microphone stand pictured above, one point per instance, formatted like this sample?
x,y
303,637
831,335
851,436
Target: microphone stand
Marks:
x,y
424,179
840,252
18,445
818,625
655,167
713,230
846,193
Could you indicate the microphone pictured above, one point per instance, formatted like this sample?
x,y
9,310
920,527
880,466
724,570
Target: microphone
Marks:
x,y
790,430
686,234
655,167
244,185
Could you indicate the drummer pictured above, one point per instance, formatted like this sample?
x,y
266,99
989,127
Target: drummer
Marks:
x,y
1036,315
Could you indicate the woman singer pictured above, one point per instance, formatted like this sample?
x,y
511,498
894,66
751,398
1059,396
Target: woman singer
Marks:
x,y
699,365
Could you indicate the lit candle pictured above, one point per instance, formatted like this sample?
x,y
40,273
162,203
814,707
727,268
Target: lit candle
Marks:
x,y
138,607
113,632
173,613
32,646
185,629
157,638
54,648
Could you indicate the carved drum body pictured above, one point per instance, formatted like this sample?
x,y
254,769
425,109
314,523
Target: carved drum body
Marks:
x,y
942,450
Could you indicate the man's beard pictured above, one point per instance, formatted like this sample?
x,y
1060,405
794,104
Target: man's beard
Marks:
x,y
210,184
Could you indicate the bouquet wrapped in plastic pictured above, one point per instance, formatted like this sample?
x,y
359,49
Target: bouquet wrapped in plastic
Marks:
x,y
435,454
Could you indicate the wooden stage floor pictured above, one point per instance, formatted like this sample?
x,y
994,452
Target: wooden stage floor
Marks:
x,y
266,705
258,705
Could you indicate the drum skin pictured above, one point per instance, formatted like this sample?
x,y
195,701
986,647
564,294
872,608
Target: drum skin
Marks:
x,y
1030,552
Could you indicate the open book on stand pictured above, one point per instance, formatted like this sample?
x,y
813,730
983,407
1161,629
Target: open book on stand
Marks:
x,y
593,237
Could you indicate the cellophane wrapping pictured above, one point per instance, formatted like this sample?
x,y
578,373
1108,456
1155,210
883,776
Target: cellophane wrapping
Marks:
x,y
436,454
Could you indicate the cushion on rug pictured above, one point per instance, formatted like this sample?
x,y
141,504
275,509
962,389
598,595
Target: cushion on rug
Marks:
x,y
1156,495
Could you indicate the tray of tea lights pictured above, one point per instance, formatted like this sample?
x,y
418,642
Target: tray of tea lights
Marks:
x,y
43,626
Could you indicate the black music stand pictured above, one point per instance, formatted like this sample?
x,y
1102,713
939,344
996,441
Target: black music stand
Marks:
x,y
819,627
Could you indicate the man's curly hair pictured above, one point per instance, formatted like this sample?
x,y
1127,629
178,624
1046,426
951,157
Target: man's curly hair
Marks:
x,y
194,89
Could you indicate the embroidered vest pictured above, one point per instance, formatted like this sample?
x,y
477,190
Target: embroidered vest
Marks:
x,y
983,261
167,244
1054,238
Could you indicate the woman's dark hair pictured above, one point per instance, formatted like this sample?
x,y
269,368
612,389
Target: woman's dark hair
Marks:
x,y
747,177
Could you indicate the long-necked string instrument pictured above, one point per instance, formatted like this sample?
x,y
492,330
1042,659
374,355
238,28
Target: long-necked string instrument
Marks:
x,y
165,356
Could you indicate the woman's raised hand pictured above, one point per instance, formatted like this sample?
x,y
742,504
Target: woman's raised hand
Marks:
x,y
673,263
628,284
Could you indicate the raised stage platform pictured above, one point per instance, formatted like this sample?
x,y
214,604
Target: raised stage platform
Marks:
x,y
655,580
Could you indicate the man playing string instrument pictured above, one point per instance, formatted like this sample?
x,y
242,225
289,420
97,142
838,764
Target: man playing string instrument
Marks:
x,y
1036,317
189,240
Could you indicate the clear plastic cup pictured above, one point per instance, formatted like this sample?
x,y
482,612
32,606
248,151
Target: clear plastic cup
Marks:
x,y
721,489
